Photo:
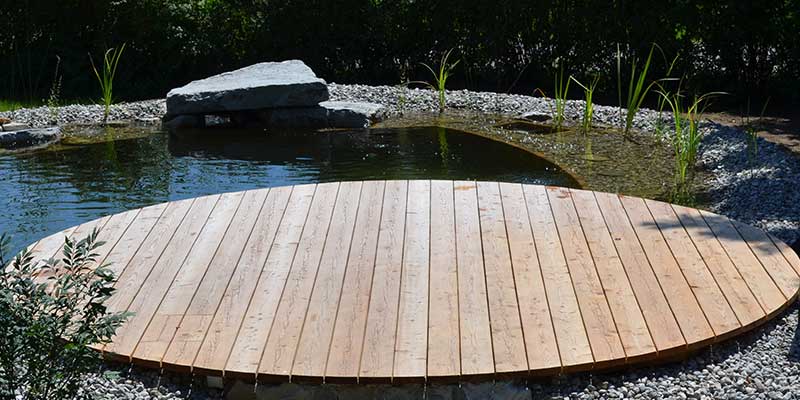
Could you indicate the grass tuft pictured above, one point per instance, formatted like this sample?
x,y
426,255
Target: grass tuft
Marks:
x,y
588,110
110,62
440,78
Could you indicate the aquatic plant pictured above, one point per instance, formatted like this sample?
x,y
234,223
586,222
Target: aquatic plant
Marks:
x,y
687,134
47,324
752,132
440,78
110,62
560,91
54,99
659,126
588,109
637,90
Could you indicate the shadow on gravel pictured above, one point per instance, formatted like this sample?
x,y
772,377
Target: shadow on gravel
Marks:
x,y
706,360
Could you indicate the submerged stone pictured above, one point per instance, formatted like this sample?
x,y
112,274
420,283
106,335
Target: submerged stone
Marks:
x,y
328,114
265,85
28,137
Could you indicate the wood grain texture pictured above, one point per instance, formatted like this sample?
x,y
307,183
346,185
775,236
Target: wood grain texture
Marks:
x,y
568,322
344,356
537,324
425,281
377,354
600,324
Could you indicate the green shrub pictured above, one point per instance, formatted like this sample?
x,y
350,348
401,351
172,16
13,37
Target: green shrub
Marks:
x,y
47,324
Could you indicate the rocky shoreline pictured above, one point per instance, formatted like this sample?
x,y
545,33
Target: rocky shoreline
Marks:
x,y
760,190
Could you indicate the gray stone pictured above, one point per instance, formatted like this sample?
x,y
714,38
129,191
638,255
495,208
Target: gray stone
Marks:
x,y
29,137
185,121
14,126
328,114
265,85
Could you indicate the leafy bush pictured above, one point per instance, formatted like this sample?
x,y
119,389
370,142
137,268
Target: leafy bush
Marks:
x,y
49,314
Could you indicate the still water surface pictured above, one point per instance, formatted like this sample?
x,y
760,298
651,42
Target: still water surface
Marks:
x,y
49,190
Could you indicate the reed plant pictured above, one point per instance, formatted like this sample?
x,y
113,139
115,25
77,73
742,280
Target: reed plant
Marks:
x,y
440,77
588,109
560,91
106,77
54,99
637,86
752,131
687,134
660,126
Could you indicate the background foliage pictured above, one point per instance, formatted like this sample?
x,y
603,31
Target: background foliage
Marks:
x,y
746,48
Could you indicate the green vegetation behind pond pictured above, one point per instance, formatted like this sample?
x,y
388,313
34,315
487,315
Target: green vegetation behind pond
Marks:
x,y
502,47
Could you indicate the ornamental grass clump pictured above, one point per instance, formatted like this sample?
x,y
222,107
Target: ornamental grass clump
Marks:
x,y
687,134
50,313
560,91
637,87
588,109
106,78
440,78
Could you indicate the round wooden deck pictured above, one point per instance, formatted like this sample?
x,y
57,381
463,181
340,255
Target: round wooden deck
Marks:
x,y
425,280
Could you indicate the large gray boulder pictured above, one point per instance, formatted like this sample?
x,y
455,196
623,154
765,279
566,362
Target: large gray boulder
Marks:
x,y
28,137
266,85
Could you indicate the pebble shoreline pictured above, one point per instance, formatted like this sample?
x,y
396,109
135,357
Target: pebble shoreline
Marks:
x,y
761,190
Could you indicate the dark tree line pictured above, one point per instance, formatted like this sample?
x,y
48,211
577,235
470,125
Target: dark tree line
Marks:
x,y
747,48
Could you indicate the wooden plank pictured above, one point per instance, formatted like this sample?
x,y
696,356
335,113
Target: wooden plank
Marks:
x,y
713,301
769,296
411,345
224,328
351,319
771,258
788,253
600,325
476,354
617,283
315,339
191,329
142,262
124,249
113,231
152,290
171,306
537,324
508,341
568,323
741,299
444,357
664,328
288,322
377,355
252,337
682,300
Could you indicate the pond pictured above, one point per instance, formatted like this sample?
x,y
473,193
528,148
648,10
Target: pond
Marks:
x,y
50,190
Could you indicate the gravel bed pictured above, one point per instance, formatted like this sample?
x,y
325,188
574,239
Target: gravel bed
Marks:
x,y
761,190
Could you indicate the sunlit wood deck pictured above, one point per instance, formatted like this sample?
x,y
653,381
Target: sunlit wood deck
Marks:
x,y
426,280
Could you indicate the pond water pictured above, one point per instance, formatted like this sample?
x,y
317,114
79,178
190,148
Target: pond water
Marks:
x,y
49,190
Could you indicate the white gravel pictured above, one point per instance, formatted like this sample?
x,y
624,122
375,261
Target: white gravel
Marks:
x,y
764,191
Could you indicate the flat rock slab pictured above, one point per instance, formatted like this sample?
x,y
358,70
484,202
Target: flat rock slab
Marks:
x,y
28,137
14,126
328,114
266,85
